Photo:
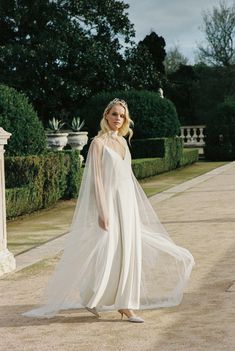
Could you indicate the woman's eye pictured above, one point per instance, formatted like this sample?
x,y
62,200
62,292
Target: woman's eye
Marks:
x,y
116,114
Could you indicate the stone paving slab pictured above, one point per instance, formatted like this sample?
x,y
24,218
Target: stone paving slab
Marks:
x,y
190,183
39,253
231,288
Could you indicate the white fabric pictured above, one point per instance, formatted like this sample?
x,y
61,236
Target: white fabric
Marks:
x,y
134,264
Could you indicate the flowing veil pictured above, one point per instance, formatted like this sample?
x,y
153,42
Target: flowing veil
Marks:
x,y
64,288
166,267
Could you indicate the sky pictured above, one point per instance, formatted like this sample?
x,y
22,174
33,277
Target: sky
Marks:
x,y
178,21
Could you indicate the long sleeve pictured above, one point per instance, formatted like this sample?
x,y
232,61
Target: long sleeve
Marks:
x,y
96,149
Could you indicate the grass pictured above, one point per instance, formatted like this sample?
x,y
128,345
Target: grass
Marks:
x,y
39,227
45,265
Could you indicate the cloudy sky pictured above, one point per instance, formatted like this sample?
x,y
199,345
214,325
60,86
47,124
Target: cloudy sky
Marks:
x,y
178,21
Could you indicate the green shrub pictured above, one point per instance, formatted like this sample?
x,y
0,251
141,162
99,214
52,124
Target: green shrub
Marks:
x,y
21,201
170,148
18,117
189,156
38,181
173,151
148,167
220,133
147,148
153,116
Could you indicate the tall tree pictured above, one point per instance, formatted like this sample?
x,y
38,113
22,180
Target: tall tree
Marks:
x,y
219,29
61,52
140,70
156,46
174,58
181,89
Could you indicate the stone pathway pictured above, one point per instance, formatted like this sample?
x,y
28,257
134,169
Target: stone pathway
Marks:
x,y
199,215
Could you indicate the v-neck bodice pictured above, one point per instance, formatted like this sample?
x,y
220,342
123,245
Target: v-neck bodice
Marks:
x,y
115,153
114,142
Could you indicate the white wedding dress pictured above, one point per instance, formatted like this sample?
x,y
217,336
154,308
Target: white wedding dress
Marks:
x,y
134,263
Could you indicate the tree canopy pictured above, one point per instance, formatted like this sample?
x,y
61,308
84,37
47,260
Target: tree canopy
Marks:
x,y
156,46
219,29
61,52
174,58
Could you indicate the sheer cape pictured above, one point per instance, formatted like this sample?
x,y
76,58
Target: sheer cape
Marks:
x,y
82,274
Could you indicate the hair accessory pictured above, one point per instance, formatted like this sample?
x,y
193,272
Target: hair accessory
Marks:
x,y
116,100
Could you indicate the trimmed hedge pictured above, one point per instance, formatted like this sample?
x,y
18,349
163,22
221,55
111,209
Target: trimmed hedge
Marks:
x,y
21,201
148,167
152,115
173,151
147,148
189,156
35,182
169,148
18,117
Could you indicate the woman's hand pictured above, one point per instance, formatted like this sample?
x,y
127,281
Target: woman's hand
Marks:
x,y
103,223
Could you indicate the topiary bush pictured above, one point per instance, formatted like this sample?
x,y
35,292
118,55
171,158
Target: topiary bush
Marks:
x,y
153,116
18,117
220,132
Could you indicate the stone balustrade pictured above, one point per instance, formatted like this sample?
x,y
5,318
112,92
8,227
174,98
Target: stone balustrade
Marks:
x,y
193,136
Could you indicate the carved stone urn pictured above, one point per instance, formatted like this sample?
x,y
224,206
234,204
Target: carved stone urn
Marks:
x,y
57,141
77,140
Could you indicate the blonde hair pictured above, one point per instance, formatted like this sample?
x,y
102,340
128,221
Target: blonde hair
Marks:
x,y
125,128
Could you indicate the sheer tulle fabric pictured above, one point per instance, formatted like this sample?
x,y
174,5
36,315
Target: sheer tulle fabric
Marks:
x,y
134,264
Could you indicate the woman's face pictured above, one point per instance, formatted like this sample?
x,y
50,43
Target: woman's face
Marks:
x,y
116,117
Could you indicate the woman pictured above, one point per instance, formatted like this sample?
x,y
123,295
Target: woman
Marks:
x,y
117,255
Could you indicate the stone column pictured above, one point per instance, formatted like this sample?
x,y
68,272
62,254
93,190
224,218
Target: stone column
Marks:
x,y
7,260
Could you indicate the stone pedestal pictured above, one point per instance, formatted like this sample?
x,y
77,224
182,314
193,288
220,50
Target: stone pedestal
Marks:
x,y
7,260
